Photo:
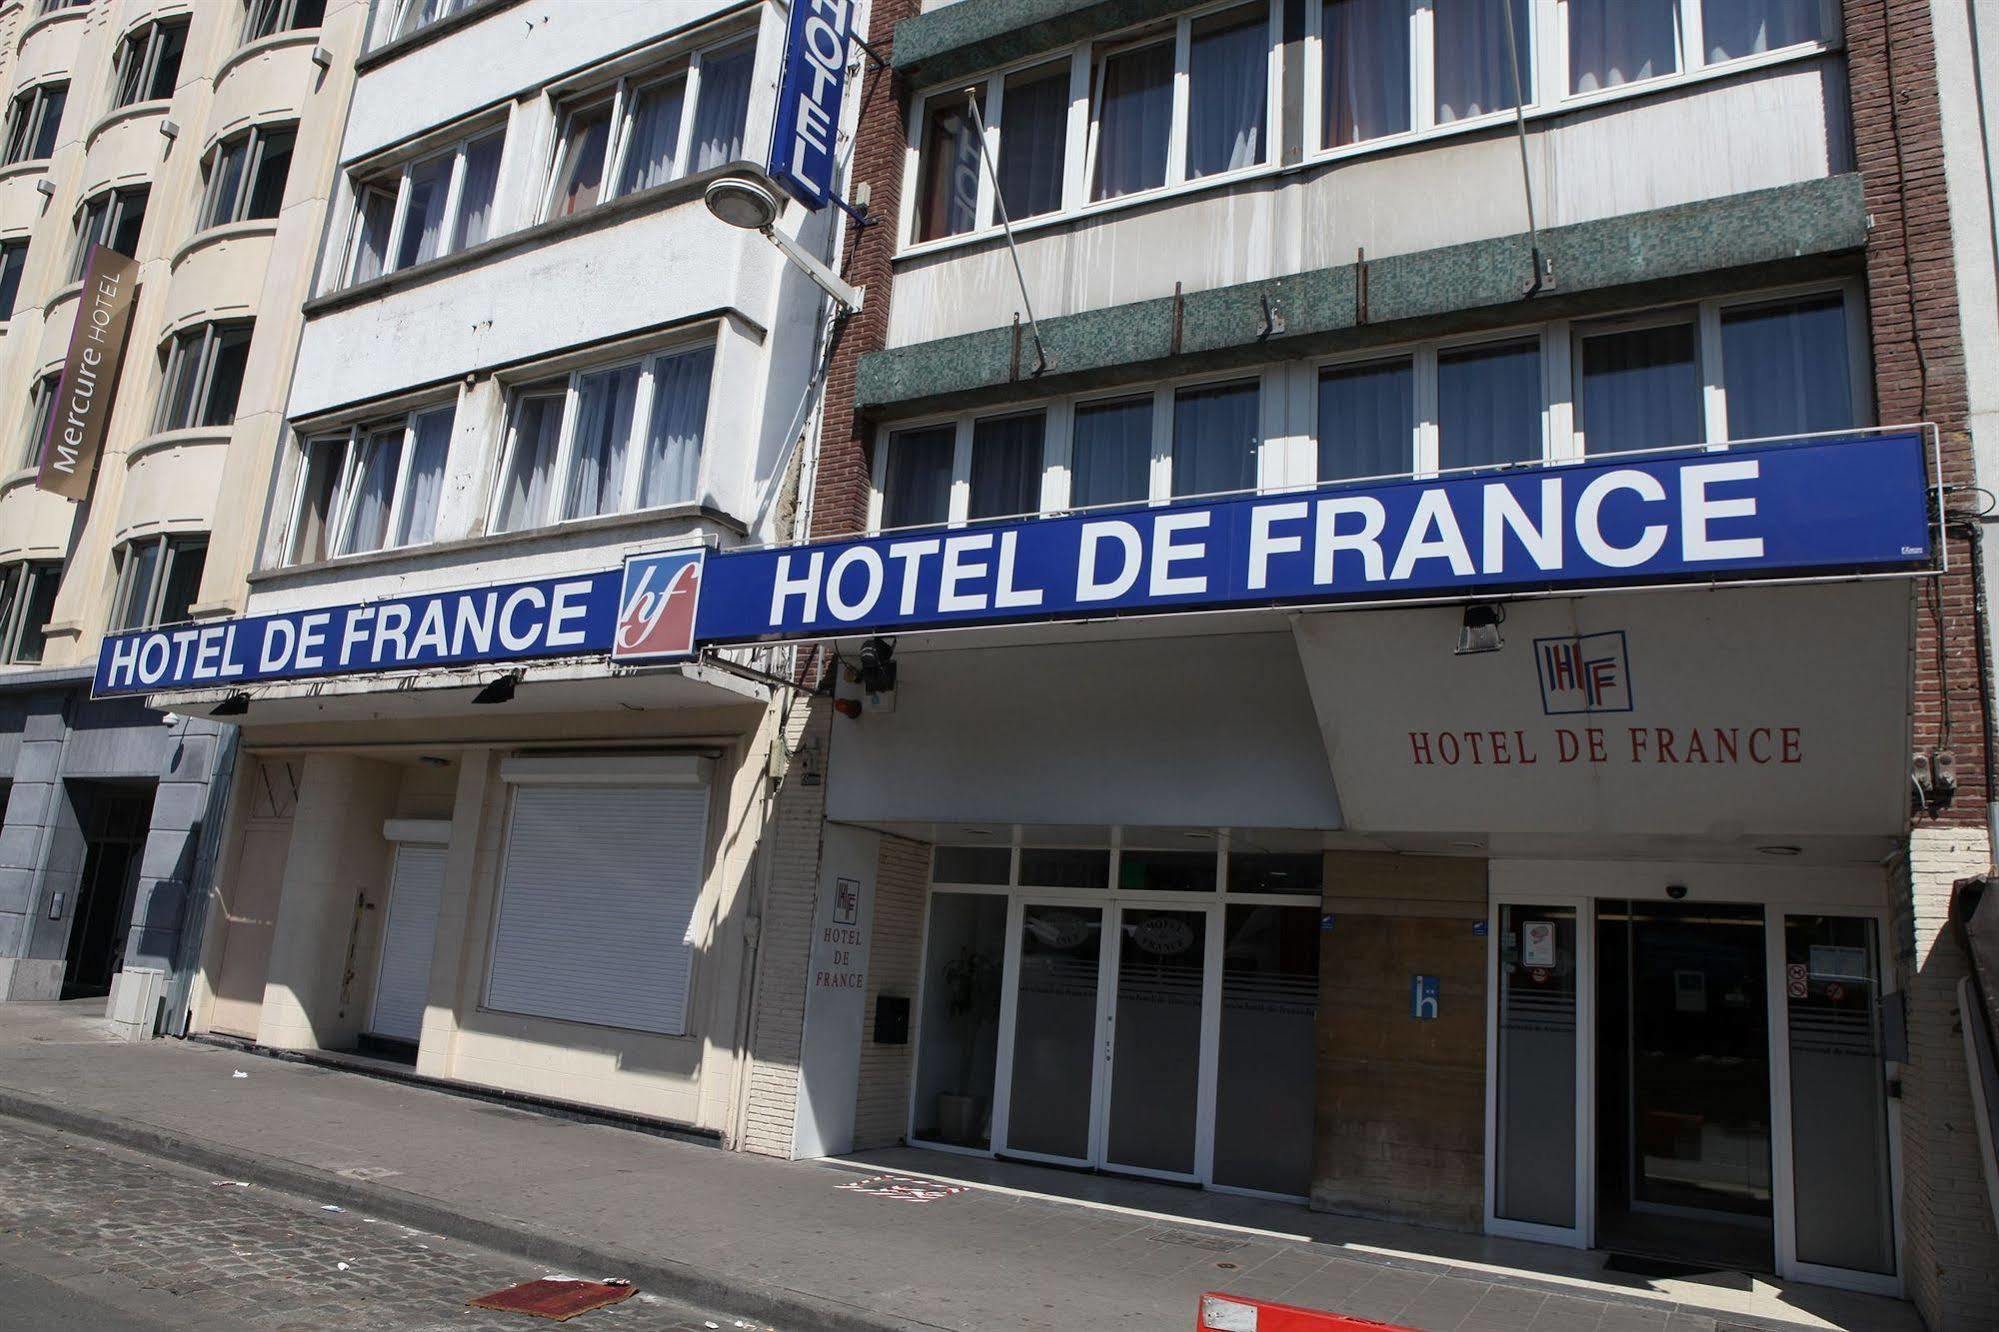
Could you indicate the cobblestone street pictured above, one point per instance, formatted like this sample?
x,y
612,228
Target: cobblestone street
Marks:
x,y
164,1247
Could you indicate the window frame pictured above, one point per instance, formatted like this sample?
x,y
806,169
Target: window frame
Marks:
x,y
14,615
352,441
284,18
363,182
211,334
41,409
116,201
27,113
173,547
150,35
10,247
255,139
531,384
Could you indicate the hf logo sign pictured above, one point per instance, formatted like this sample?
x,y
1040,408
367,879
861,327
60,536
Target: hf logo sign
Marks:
x,y
657,605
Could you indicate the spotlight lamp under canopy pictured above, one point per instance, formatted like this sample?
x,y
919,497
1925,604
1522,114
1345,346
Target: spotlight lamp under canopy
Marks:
x,y
1480,630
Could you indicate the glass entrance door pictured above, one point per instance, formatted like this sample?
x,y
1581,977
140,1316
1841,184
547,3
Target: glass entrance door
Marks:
x,y
1057,1021
1155,1022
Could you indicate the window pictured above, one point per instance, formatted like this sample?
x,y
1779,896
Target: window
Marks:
x,y
1034,142
53,6
1110,452
1734,28
1489,404
247,174
1786,369
158,580
1480,44
1228,90
606,440
1133,120
407,16
149,62
13,259
113,219
1367,420
1216,431
1364,78
1638,388
41,408
372,486
426,208
916,491
267,18
203,376
27,601
32,122
947,188
1006,466
1622,41
642,132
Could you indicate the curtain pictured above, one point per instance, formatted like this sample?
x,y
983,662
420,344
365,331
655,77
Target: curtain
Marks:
x,y
1006,466
1034,141
1745,27
537,423
475,196
1228,91
581,179
375,216
1474,59
1134,117
1367,421
724,102
1784,368
1111,453
917,492
430,445
679,423
1620,41
1640,390
423,220
948,192
1366,79
367,524
1489,405
1215,436
604,403
655,134
324,459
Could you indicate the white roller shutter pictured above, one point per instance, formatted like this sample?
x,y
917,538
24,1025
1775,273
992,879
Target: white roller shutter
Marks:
x,y
402,987
596,895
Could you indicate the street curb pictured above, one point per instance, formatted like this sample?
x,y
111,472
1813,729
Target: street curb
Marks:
x,y
786,1309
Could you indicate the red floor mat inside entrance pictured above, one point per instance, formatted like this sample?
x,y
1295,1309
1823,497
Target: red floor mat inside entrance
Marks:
x,y
551,1297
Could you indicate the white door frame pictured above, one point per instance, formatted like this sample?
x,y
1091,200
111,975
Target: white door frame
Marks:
x,y
400,833
1210,1038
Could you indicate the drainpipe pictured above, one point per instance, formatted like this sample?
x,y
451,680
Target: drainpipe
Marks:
x,y
1973,530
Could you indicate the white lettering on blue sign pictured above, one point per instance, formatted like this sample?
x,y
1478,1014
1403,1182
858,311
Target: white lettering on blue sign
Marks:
x,y
806,129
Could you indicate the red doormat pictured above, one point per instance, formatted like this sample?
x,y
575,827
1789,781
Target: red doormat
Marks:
x,y
556,1298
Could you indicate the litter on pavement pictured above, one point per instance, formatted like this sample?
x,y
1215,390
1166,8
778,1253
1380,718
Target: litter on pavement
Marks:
x,y
556,1298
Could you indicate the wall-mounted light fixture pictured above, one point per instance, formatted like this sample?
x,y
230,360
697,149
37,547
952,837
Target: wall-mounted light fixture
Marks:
x,y
500,690
1480,630
748,200
235,705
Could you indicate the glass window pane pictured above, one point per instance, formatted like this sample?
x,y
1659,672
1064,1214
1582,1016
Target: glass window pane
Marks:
x,y
1141,870
1785,368
183,369
580,172
1535,1177
41,411
131,66
1228,90
225,383
1155,1102
11,576
1367,420
1006,466
1065,867
142,563
1111,453
423,211
1489,405
679,423
324,460
1365,79
130,220
13,258
1034,141
971,864
89,232
308,13
377,215
183,580
263,19
53,99
604,404
947,188
1839,1093
1134,118
1475,60
1055,1030
367,524
1300,872
964,965
1744,27
475,196
170,42
917,488
41,608
432,447
1264,1092
274,164
1215,436
1621,41
655,132
524,491
225,179
1641,390
722,104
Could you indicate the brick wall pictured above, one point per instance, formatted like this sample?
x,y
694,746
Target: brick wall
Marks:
x,y
895,954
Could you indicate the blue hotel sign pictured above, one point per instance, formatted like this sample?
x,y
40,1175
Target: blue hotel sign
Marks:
x,y
808,99
1813,507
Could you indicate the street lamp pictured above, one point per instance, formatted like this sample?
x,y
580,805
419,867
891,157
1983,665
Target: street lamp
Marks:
x,y
747,200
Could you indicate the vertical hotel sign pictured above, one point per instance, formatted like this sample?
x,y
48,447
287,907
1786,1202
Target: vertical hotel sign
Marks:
x,y
83,397
809,93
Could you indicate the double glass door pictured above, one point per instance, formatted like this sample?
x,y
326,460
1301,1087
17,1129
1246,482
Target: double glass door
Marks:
x,y
1108,1037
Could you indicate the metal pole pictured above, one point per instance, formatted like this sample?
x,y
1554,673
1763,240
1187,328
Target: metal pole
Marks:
x,y
1520,129
999,200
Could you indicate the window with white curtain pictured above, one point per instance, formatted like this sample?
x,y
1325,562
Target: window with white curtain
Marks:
x,y
112,219
428,207
1364,70
1110,452
652,127
1786,369
1489,403
372,485
247,174
1034,140
606,439
1621,41
27,602
403,17
916,486
1132,120
1734,28
1228,90
1638,387
1367,419
1484,56
1217,429
1007,465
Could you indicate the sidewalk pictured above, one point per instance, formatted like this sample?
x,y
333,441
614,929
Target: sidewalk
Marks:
x,y
783,1242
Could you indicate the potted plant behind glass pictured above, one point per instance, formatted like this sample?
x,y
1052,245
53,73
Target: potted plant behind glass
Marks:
x,y
971,1004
